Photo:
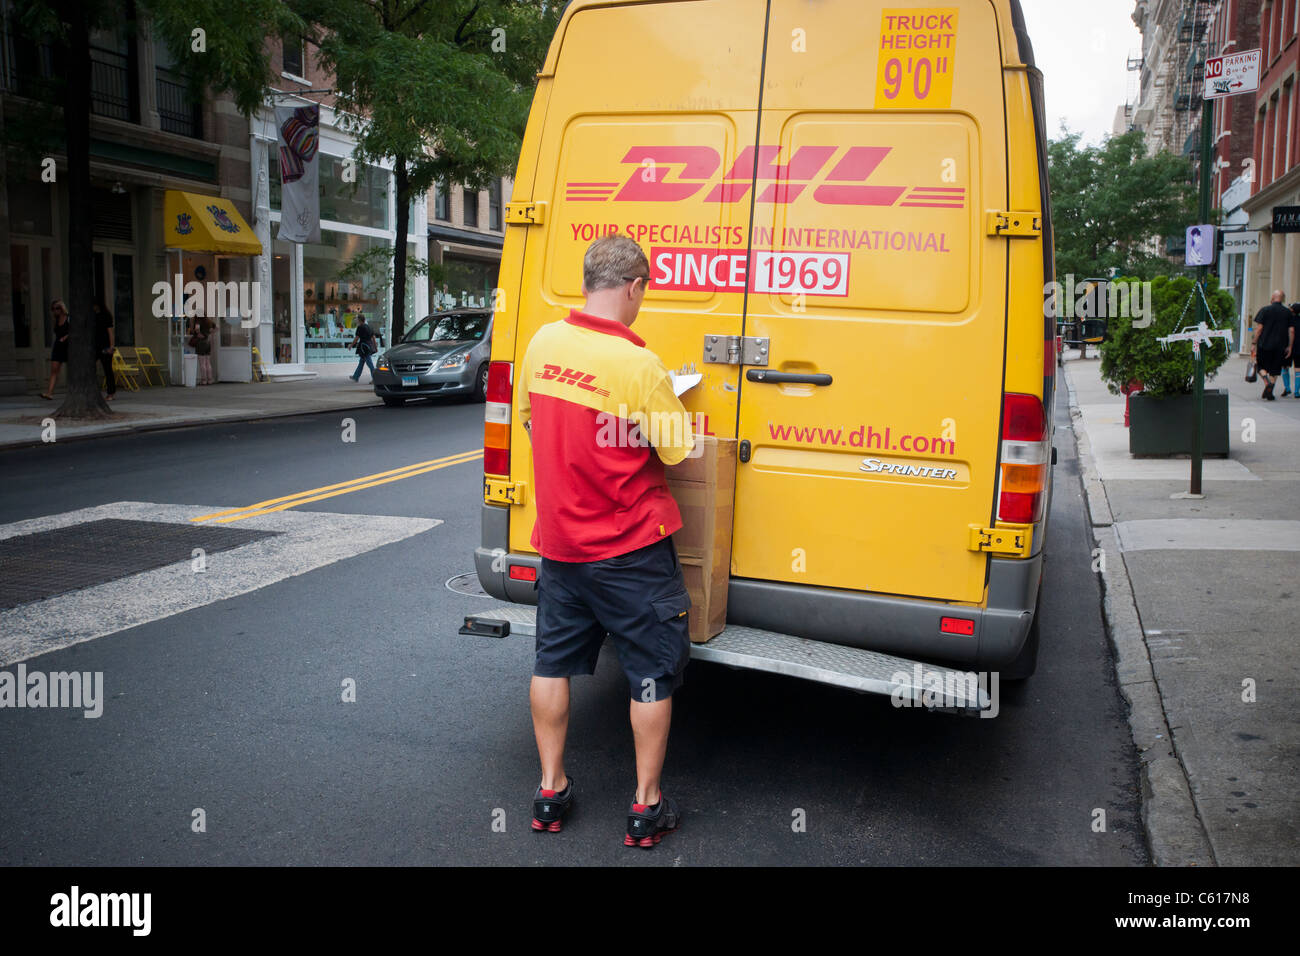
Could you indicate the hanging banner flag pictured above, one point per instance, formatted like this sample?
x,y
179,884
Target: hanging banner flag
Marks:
x,y
299,136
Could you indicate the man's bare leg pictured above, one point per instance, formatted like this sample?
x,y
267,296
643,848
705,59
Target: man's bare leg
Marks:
x,y
549,697
650,723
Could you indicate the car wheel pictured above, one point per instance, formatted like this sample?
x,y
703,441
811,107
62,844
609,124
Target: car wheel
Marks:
x,y
480,386
393,402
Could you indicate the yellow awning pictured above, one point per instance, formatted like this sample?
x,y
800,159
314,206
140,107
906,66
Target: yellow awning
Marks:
x,y
206,224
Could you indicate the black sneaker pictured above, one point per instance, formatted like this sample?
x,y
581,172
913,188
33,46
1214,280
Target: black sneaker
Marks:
x,y
646,825
549,808
1285,391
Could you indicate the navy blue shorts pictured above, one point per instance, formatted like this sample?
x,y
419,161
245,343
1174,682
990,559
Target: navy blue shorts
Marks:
x,y
638,598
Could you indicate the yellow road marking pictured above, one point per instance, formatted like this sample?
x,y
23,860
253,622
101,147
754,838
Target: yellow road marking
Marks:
x,y
339,488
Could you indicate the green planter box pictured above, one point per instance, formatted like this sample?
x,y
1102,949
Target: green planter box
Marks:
x,y
1163,426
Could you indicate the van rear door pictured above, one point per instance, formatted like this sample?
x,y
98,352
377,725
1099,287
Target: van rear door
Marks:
x,y
873,448
649,106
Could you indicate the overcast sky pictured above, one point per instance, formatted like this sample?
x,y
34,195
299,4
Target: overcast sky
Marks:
x,y
1082,47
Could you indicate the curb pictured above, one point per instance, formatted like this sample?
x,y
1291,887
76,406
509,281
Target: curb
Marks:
x,y
116,430
1174,831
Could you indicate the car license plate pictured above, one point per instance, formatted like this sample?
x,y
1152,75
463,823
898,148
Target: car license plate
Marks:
x,y
410,380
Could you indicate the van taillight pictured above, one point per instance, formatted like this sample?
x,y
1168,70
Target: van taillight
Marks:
x,y
496,420
1025,458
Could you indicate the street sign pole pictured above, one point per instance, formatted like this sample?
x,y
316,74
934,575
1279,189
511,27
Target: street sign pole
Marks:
x,y
1203,316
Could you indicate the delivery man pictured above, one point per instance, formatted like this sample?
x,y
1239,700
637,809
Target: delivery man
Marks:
x,y
603,419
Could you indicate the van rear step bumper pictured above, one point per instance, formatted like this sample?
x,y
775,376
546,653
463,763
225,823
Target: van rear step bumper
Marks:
x,y
910,683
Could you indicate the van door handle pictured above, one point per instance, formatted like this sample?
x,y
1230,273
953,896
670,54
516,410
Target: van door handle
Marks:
x,y
783,378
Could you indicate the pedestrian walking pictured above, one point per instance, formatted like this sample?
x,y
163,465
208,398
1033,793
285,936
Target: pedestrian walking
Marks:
x,y
604,523
1295,350
201,341
1274,338
105,346
364,343
59,350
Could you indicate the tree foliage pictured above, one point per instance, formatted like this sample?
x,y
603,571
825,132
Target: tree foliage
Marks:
x,y
440,87
1112,205
1133,353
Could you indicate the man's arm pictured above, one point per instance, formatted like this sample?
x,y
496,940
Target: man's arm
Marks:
x,y
667,423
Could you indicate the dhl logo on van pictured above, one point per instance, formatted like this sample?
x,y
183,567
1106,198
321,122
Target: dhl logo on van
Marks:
x,y
843,185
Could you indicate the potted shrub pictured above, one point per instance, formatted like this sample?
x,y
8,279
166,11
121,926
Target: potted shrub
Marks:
x,y
1162,414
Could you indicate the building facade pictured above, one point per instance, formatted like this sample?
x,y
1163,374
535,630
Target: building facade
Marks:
x,y
1275,190
148,140
466,232
312,300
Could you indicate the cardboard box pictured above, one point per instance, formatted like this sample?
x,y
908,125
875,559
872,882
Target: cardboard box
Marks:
x,y
705,489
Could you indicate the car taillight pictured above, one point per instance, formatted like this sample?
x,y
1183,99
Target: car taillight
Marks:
x,y
496,419
1025,457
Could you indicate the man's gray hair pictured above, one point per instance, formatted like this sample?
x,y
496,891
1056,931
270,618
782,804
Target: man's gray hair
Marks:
x,y
611,259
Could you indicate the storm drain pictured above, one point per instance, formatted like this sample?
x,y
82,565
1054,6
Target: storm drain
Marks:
x,y
34,567
467,584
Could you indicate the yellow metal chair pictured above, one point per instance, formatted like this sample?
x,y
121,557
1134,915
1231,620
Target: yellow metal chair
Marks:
x,y
259,367
125,373
144,358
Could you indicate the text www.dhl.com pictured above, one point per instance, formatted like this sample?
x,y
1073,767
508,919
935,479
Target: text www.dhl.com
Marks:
x,y
864,436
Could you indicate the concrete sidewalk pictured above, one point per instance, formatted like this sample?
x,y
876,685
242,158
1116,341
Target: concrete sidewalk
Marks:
x,y
1202,600
21,417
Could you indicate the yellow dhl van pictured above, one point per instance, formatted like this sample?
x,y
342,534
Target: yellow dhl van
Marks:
x,y
845,208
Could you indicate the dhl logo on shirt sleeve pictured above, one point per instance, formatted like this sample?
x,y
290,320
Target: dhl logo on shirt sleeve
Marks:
x,y
569,376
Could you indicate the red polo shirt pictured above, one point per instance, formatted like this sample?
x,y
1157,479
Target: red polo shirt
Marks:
x,y
592,389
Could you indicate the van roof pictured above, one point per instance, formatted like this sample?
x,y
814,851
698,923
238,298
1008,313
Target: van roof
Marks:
x,y
1017,50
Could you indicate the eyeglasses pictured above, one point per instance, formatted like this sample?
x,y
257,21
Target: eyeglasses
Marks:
x,y
646,279
58,310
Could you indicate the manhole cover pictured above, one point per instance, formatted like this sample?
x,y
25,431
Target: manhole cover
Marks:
x,y
467,584
37,566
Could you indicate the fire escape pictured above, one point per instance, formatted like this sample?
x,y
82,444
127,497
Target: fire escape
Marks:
x,y
1189,53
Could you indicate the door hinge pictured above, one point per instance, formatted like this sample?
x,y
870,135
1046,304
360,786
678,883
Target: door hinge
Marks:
x,y
1012,540
735,349
1015,224
502,491
525,213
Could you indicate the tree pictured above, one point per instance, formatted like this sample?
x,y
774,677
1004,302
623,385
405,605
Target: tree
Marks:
x,y
1135,354
67,24
440,88
1112,205
222,45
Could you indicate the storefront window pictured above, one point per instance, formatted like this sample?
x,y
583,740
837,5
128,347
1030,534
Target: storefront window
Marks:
x,y
332,307
469,282
360,203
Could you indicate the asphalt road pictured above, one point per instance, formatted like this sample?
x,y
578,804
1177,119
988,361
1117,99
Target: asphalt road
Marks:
x,y
235,707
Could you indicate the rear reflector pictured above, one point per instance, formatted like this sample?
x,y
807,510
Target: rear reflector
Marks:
x,y
522,572
956,625
1025,457
496,419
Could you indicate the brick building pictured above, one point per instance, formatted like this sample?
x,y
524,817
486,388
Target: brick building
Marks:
x,y
1276,184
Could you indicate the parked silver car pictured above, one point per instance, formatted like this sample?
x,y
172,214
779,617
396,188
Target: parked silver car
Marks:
x,y
445,353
